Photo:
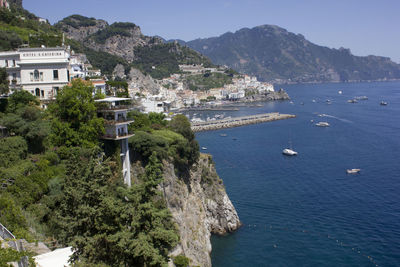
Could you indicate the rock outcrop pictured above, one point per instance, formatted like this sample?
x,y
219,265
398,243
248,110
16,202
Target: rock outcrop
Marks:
x,y
137,80
200,206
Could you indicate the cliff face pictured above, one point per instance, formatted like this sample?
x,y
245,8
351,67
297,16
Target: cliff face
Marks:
x,y
200,207
119,39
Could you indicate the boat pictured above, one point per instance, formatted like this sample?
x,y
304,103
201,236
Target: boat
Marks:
x,y
361,97
223,135
383,103
314,101
322,124
353,171
289,152
340,92
352,101
301,103
203,148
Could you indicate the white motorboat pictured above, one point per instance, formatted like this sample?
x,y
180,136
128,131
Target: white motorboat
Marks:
x,y
322,124
203,148
383,103
340,92
289,152
353,171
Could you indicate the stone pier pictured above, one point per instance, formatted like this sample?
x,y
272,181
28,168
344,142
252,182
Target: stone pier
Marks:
x,y
239,121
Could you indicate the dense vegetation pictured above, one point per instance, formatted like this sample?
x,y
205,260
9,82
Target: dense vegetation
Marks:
x,y
208,80
162,60
21,27
77,21
117,28
58,186
272,53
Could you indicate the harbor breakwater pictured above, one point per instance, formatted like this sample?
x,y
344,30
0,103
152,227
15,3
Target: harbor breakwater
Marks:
x,y
238,121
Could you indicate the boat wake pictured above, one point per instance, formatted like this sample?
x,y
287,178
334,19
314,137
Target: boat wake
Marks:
x,y
333,117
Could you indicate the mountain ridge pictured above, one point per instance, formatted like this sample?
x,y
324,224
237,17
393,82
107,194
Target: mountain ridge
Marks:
x,y
274,54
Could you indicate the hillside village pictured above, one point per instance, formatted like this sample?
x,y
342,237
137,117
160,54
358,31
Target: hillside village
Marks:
x,y
44,71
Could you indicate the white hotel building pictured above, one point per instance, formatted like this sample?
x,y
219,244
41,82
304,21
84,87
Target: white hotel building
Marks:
x,y
40,71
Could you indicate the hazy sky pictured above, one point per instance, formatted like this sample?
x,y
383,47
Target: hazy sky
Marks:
x,y
365,26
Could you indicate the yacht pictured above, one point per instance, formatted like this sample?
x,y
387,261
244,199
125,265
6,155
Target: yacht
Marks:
x,y
353,171
322,124
340,92
383,103
203,148
289,152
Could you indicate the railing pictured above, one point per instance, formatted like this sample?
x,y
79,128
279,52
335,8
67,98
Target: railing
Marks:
x,y
112,121
100,108
115,136
15,244
4,233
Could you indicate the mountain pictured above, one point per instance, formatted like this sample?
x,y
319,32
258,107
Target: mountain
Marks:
x,y
273,54
125,40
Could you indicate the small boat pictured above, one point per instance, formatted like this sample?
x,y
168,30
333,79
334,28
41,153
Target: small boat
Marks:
x,y
383,103
301,103
289,152
322,124
314,101
352,101
353,171
223,135
311,120
291,102
340,92
203,148
361,97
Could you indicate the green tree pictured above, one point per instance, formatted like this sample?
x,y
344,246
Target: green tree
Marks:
x,y
3,81
181,125
75,120
24,118
108,223
12,149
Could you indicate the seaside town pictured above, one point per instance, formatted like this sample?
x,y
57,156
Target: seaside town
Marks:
x,y
44,71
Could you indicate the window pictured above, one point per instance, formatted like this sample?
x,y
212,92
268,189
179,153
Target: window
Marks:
x,y
42,93
14,65
37,92
36,75
41,76
31,76
55,74
6,63
55,90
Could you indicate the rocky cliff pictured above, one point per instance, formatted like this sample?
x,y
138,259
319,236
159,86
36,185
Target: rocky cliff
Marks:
x,y
200,207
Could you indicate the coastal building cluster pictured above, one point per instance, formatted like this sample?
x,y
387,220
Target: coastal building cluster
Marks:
x,y
44,71
173,93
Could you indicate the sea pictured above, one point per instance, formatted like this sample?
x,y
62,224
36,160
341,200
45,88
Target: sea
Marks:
x,y
306,210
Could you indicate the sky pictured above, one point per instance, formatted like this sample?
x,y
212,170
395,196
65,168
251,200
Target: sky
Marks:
x,y
366,27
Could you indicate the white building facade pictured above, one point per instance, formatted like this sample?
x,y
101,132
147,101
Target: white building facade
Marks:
x,y
40,71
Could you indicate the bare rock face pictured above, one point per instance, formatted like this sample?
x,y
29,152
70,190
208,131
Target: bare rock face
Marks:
x,y
121,45
201,207
137,80
119,71
81,33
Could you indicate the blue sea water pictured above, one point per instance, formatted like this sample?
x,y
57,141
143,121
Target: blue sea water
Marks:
x,y
305,210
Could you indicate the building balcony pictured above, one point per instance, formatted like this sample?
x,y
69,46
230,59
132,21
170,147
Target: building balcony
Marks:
x,y
117,136
112,121
105,108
